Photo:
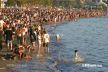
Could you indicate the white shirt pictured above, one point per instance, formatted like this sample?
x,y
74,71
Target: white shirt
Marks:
x,y
1,23
39,27
26,29
39,39
78,58
58,36
46,37
19,21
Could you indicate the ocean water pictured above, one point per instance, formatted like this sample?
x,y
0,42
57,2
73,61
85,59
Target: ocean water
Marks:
x,y
89,36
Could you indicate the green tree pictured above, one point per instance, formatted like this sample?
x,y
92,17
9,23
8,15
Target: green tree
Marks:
x,y
102,7
10,3
80,3
72,4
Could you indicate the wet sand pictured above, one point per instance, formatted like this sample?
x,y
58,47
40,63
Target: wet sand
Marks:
x,y
5,65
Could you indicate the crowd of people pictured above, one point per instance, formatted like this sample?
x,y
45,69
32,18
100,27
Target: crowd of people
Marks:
x,y
22,29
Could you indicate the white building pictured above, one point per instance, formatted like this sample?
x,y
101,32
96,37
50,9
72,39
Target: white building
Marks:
x,y
3,3
101,2
97,2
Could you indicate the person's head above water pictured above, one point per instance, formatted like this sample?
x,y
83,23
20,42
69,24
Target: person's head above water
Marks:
x,y
76,51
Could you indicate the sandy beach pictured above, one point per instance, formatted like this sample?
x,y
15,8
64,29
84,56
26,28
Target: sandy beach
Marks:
x,y
22,33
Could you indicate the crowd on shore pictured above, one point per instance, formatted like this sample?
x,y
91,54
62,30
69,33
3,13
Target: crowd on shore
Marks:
x,y
25,26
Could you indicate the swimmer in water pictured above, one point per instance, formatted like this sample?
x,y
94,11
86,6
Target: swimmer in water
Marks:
x,y
77,57
58,38
21,50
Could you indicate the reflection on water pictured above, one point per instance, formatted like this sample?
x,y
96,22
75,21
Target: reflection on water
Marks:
x,y
89,36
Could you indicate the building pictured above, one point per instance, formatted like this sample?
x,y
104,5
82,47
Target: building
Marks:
x,y
3,3
97,1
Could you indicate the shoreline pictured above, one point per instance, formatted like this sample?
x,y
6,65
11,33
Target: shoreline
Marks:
x,y
4,64
55,21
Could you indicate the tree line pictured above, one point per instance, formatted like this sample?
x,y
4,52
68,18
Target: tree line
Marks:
x,y
57,3
52,3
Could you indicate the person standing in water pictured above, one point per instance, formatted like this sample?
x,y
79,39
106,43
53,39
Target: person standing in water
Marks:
x,y
39,44
46,41
32,35
77,57
58,38
8,35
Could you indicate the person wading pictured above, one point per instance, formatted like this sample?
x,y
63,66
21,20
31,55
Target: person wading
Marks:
x,y
8,36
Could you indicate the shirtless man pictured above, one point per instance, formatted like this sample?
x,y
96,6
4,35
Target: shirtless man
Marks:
x,y
39,44
77,57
